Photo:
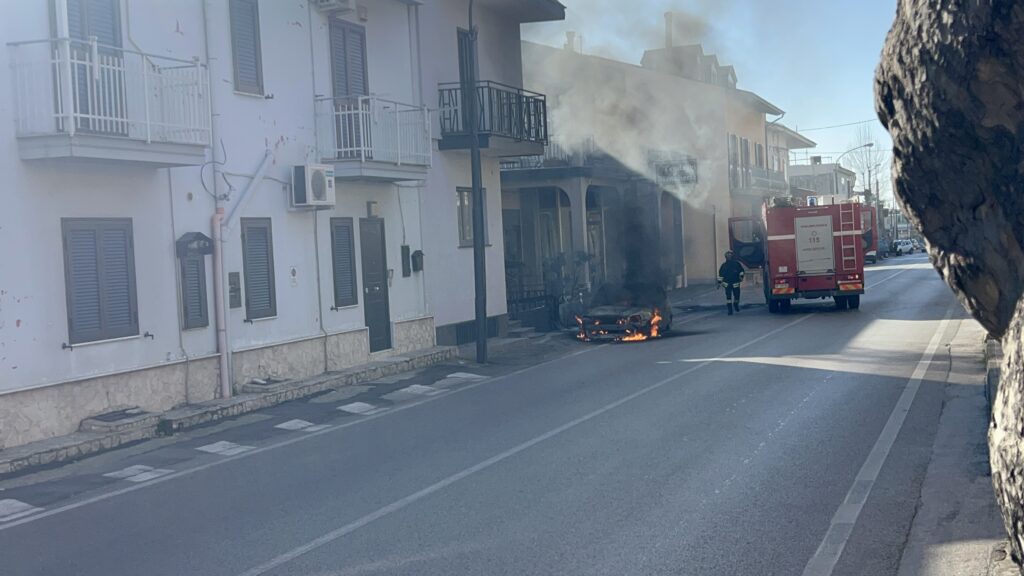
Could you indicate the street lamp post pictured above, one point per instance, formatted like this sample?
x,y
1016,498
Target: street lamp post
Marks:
x,y
469,95
835,173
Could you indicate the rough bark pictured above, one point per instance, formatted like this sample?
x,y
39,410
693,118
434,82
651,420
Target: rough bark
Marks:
x,y
950,90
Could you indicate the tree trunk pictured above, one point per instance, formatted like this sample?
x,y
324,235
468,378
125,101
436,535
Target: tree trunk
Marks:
x,y
950,90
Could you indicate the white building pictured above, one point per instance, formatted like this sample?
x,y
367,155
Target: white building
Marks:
x,y
134,126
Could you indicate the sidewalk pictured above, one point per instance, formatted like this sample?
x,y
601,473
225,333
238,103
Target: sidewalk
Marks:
x,y
957,525
108,431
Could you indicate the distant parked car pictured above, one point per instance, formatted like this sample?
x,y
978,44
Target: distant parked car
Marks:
x,y
918,247
884,248
901,247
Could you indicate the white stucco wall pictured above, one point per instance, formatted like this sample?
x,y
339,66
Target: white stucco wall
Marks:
x,y
37,194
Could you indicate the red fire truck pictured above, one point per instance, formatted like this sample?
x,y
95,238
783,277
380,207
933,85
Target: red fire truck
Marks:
x,y
869,223
804,251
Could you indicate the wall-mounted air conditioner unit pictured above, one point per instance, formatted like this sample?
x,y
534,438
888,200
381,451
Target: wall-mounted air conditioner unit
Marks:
x,y
334,6
312,186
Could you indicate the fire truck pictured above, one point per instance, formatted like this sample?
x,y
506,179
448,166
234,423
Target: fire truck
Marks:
x,y
805,250
869,223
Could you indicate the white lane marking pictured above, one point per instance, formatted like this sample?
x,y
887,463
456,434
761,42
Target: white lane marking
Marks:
x,y
225,448
43,513
466,375
831,548
147,476
316,428
294,425
420,390
360,408
441,484
128,472
662,362
11,509
138,473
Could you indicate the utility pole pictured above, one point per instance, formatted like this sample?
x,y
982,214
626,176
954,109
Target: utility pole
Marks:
x,y
469,96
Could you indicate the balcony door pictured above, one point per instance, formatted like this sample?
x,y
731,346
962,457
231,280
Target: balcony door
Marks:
x,y
349,83
97,79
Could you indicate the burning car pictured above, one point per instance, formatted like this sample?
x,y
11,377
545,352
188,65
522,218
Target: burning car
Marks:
x,y
626,313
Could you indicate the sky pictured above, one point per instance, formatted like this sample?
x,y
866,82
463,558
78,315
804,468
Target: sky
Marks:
x,y
815,59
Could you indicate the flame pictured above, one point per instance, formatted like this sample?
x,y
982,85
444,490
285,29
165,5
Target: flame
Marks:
x,y
640,336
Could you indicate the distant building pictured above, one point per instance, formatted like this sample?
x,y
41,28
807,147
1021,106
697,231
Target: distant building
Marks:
x,y
823,179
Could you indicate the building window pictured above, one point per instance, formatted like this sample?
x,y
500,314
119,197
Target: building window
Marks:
x,y
194,308
245,45
348,59
759,155
464,200
343,253
258,269
99,277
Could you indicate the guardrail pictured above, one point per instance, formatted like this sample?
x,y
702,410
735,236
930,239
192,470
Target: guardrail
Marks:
x,y
368,128
65,86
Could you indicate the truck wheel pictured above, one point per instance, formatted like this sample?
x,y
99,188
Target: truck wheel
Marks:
x,y
841,302
784,306
773,306
854,301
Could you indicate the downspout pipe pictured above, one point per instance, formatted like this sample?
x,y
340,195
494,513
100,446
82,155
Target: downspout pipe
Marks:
x,y
220,312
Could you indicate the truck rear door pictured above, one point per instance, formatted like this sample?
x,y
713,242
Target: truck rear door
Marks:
x,y
814,246
746,240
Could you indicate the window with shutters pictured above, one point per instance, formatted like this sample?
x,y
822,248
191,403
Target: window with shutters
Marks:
x,y
348,59
343,253
258,269
194,307
99,276
245,46
464,205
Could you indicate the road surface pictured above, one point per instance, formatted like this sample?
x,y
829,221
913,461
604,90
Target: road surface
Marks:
x,y
753,444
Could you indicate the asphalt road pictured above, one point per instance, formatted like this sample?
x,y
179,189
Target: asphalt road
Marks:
x,y
754,444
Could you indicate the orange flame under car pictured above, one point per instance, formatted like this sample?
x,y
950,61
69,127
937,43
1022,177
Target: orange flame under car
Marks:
x,y
640,336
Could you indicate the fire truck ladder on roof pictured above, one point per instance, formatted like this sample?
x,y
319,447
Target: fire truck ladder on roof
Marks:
x,y
848,236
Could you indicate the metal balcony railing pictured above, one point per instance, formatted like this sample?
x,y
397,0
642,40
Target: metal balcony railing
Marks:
x,y
64,86
367,128
504,111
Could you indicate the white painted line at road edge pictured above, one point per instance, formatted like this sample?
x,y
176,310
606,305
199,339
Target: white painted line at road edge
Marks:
x,y
225,448
440,485
831,548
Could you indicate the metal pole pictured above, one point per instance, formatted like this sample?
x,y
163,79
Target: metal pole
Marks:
x,y
469,93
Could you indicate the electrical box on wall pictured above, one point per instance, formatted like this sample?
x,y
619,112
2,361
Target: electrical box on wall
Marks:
x,y
234,290
406,261
417,261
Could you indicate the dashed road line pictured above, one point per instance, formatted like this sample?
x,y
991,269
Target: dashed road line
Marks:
x,y
420,390
225,448
11,509
138,473
361,408
294,425
466,375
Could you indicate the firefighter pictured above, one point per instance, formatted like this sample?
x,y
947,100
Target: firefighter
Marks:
x,y
730,276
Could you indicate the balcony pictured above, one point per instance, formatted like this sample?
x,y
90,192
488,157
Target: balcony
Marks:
x,y
512,121
751,180
85,100
370,138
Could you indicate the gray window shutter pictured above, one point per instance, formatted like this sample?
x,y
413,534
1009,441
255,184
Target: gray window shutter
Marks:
x,y
348,59
82,268
118,281
258,267
245,46
99,18
194,308
99,264
344,256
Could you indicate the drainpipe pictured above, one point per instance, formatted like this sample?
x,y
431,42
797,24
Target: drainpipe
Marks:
x,y
220,312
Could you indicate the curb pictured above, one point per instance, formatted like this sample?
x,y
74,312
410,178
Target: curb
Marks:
x,y
84,443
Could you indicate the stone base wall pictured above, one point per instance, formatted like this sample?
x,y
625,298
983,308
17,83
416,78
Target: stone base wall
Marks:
x,y
57,410
415,334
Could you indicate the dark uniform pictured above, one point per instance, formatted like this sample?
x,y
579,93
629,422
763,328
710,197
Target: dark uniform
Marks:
x,y
730,276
